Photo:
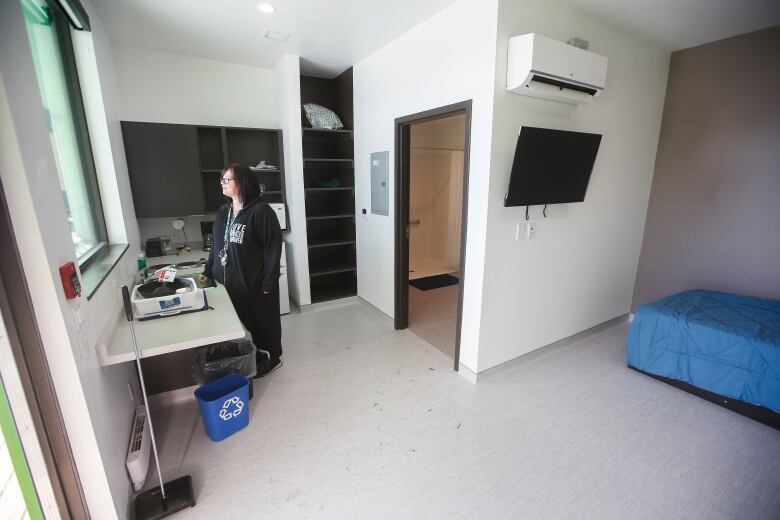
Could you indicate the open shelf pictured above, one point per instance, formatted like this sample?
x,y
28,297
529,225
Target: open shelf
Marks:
x,y
310,160
320,203
210,150
270,181
333,286
314,245
328,232
328,217
332,269
322,175
212,191
342,188
218,146
249,146
308,129
329,145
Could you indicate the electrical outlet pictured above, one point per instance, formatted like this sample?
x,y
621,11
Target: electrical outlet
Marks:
x,y
530,230
520,232
77,316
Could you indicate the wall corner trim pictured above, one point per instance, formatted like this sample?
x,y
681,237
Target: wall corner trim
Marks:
x,y
466,373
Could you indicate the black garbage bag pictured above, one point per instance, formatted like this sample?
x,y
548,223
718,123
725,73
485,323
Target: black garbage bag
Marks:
x,y
220,359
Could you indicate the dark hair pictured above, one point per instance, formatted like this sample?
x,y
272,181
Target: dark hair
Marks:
x,y
245,180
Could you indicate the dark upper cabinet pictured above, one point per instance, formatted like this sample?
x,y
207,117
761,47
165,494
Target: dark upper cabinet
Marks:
x,y
175,169
164,169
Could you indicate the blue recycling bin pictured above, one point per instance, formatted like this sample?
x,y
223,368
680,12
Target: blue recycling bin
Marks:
x,y
224,406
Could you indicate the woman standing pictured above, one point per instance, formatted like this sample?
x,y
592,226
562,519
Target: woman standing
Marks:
x,y
245,259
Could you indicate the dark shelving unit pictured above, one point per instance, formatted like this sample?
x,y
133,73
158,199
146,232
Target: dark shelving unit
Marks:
x,y
175,169
329,185
218,146
333,286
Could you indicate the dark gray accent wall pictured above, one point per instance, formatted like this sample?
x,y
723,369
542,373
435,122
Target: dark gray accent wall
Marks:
x,y
713,220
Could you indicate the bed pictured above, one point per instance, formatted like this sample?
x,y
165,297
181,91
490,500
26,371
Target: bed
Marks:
x,y
722,347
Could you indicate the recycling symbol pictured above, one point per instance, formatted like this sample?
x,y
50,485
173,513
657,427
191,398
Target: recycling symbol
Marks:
x,y
231,409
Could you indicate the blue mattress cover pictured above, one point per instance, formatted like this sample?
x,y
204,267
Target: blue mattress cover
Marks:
x,y
727,344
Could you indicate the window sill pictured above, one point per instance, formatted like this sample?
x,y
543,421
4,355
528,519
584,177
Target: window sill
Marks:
x,y
93,275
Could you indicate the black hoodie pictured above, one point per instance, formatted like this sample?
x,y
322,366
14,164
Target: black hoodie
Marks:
x,y
254,249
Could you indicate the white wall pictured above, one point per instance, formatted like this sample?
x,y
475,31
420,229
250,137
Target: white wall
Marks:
x,y
155,227
287,74
447,59
170,88
580,269
162,87
94,402
10,161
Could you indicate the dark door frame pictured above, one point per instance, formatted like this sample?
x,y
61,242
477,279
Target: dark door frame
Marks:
x,y
402,153
30,357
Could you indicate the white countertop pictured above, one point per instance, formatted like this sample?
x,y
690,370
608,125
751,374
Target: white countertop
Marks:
x,y
174,333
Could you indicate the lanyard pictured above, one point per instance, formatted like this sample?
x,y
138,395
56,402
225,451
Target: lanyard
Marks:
x,y
230,220
223,254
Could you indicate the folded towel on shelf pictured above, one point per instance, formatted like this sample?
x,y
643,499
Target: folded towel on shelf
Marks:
x,y
330,183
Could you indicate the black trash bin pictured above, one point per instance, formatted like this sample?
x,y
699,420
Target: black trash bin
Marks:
x,y
228,357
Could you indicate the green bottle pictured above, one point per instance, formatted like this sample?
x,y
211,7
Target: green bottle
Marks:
x,y
142,264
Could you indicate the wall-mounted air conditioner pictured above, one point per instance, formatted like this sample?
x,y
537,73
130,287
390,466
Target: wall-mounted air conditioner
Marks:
x,y
542,67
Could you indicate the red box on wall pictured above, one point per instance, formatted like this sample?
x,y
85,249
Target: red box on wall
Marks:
x,y
70,280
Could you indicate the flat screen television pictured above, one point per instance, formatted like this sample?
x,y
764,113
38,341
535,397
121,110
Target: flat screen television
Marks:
x,y
551,166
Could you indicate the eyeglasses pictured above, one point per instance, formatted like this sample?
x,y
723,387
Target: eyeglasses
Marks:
x,y
225,180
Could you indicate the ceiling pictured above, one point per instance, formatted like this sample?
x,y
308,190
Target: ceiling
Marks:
x,y
331,35
680,24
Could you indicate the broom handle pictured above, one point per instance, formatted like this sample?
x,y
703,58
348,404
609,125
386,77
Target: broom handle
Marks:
x,y
129,315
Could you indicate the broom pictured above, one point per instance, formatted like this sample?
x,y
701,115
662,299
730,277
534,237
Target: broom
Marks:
x,y
167,498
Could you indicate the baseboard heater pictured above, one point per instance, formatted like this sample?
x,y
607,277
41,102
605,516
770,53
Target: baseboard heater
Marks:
x,y
138,451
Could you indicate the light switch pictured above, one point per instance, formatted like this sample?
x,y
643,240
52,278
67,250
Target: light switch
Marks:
x,y
530,230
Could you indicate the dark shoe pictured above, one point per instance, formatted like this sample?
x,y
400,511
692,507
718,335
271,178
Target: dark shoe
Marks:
x,y
265,366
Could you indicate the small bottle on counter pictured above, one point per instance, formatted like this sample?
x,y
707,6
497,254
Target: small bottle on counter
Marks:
x,y
142,266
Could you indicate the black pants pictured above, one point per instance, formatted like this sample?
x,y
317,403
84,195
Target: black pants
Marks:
x,y
259,313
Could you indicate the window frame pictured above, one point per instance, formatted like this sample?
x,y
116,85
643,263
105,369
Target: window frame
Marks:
x,y
62,27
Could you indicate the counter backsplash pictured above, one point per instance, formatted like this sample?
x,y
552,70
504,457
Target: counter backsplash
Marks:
x,y
156,227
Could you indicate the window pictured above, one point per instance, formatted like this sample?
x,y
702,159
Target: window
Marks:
x,y
55,69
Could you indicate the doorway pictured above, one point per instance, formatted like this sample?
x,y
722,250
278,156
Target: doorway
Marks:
x,y
431,191
26,346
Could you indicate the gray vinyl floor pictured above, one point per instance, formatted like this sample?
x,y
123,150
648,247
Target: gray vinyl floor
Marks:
x,y
433,316
363,422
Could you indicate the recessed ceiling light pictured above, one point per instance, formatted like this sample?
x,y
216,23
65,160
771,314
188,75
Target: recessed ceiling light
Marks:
x,y
266,8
